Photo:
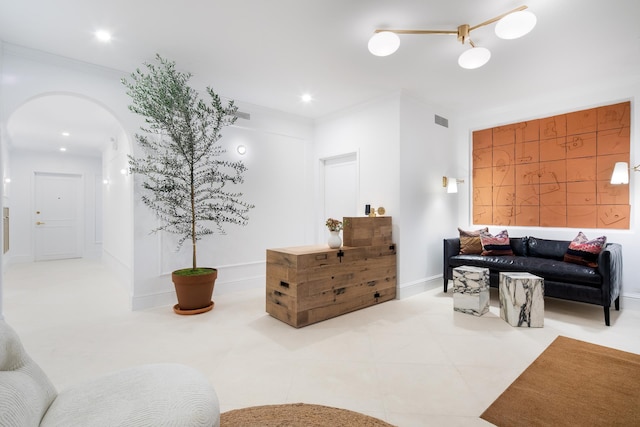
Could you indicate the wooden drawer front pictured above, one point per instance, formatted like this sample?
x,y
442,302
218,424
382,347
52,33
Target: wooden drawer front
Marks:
x,y
363,277
367,231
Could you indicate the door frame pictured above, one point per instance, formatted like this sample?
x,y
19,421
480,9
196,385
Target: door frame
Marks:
x,y
351,156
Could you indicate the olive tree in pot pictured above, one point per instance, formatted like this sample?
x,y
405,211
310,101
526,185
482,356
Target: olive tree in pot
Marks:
x,y
185,179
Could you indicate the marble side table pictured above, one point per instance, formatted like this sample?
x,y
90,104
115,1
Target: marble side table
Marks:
x,y
522,299
471,290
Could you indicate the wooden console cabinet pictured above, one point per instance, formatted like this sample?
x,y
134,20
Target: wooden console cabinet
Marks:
x,y
308,284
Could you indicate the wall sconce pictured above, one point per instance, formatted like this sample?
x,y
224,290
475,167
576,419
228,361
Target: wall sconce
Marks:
x,y
620,173
7,180
451,184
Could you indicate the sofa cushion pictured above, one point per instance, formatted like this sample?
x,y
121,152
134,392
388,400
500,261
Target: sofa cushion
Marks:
x,y
470,241
495,245
548,269
519,245
544,248
584,251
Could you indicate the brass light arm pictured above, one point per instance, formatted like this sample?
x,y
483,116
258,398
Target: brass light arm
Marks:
x,y
497,18
417,31
458,32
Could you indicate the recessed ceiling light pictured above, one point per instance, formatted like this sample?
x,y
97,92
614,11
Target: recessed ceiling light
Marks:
x,y
306,98
63,149
65,133
103,36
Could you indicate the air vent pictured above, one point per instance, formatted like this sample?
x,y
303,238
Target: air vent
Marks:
x,y
442,121
242,115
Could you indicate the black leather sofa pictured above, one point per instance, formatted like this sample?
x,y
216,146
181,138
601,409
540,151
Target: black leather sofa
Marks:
x,y
544,258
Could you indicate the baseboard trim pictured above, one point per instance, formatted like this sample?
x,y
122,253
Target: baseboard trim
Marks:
x,y
410,289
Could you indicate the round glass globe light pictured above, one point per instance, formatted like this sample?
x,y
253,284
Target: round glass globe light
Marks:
x,y
474,58
515,25
384,43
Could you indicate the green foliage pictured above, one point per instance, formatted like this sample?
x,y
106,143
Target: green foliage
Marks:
x,y
194,271
185,180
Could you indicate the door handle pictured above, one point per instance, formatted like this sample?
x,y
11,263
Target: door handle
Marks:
x,y
39,223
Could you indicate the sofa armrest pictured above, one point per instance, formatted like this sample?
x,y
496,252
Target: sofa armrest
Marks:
x,y
451,248
610,268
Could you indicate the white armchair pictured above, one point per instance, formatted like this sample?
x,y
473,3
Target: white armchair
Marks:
x,y
148,395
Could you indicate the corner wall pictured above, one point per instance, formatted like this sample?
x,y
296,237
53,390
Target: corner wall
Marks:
x,y
403,155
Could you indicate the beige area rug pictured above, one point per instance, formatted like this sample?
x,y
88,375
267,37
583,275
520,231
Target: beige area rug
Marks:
x,y
297,415
572,383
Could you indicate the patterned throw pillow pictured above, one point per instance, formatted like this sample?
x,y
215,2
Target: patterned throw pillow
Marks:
x,y
584,251
470,241
495,245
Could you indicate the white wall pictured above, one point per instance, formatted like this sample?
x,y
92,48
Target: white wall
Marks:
x,y
548,105
402,156
117,214
427,152
24,165
277,182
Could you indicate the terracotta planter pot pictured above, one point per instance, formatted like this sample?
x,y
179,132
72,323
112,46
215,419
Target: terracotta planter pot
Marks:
x,y
194,292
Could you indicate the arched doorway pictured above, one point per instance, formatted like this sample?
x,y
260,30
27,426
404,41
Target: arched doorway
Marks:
x,y
61,135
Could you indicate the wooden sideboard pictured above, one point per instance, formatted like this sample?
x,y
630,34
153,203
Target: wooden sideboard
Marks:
x,y
308,284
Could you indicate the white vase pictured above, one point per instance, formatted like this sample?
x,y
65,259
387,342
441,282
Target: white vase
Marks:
x,y
334,240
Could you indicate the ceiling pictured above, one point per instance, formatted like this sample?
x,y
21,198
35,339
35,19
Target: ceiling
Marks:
x,y
269,53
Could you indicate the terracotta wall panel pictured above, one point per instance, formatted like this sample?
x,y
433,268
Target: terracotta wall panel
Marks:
x,y
504,195
483,157
614,116
528,195
553,149
553,216
528,216
613,216
553,172
584,121
614,141
553,127
482,139
582,216
482,214
582,169
527,152
608,194
528,131
553,194
504,135
583,145
581,194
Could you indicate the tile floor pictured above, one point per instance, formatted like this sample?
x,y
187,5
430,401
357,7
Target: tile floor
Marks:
x,y
411,362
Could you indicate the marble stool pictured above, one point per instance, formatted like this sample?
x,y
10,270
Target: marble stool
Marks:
x,y
471,290
522,299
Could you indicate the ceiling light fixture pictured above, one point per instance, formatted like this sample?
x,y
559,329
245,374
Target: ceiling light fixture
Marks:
x,y
306,98
511,25
103,36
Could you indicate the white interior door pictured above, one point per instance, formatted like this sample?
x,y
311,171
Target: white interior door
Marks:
x,y
341,187
57,218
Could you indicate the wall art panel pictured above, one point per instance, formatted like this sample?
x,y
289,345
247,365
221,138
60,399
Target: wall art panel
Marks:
x,y
555,171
